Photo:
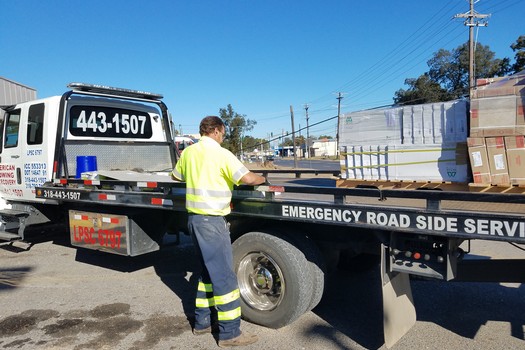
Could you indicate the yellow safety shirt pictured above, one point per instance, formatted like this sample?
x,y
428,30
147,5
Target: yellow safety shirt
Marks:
x,y
210,172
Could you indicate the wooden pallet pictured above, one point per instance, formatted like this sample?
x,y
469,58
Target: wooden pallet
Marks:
x,y
444,186
488,188
403,184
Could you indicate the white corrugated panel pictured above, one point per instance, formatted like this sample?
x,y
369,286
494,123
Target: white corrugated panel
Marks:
x,y
431,123
12,92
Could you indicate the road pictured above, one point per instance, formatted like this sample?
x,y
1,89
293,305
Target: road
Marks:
x,y
53,296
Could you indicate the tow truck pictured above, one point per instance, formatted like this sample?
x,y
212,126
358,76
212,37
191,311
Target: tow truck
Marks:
x,y
97,159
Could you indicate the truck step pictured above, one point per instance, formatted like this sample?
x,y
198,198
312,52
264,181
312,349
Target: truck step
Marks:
x,y
13,212
8,236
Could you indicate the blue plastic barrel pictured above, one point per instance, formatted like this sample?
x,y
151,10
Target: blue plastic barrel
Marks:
x,y
86,163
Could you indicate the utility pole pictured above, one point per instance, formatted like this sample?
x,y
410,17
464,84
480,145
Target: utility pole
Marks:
x,y
339,98
293,140
472,21
307,133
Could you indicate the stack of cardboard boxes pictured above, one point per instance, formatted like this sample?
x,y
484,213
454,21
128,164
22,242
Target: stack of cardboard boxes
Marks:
x,y
497,128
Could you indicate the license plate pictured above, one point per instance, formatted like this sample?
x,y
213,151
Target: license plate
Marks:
x,y
99,231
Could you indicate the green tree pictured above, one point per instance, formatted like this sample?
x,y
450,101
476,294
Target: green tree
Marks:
x,y
519,48
236,125
448,75
249,144
421,90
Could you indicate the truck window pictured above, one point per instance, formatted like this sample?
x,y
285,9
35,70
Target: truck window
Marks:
x,y
35,124
12,121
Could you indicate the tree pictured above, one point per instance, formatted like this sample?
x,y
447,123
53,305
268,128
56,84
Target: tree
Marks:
x,y
422,90
250,144
236,125
448,75
519,48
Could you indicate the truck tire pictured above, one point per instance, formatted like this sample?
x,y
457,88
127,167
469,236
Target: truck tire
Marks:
x,y
274,277
315,261
317,267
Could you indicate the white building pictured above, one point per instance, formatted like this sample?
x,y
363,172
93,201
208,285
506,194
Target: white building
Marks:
x,y
324,148
12,92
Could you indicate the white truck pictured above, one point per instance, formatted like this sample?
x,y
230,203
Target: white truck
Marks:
x,y
97,159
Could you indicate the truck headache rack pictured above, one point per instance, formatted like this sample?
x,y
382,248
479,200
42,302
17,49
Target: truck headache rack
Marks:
x,y
113,91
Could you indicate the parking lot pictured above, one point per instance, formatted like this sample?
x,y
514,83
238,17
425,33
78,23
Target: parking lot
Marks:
x,y
54,296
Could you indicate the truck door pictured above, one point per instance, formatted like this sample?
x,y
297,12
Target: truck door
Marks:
x,y
21,166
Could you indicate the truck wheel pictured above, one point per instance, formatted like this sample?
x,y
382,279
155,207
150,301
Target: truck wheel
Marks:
x,y
317,267
274,279
315,260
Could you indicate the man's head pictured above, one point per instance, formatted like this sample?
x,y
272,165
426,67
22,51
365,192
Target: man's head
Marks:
x,y
212,126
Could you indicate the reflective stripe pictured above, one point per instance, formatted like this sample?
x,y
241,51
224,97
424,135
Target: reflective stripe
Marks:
x,y
227,298
177,175
205,287
204,302
207,205
240,173
229,315
208,193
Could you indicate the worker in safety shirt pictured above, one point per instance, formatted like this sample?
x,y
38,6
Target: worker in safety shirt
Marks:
x,y
210,172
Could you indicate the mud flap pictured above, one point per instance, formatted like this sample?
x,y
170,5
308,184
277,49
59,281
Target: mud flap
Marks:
x,y
399,313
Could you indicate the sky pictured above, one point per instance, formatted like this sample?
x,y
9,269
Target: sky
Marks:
x,y
262,57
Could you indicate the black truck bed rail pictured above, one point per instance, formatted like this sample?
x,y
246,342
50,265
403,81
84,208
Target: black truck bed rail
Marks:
x,y
430,212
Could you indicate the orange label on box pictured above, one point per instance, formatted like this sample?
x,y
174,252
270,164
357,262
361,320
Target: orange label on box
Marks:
x,y
477,178
520,142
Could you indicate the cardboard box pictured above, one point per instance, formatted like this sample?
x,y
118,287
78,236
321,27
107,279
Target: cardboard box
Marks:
x,y
499,173
500,86
479,161
497,116
515,146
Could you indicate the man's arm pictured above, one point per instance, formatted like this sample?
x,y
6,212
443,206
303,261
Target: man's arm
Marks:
x,y
253,179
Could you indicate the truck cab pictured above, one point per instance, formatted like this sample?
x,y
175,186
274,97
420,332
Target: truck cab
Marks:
x,y
28,137
46,138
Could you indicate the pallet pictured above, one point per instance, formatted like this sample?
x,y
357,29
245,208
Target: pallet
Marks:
x,y
403,185
489,188
429,185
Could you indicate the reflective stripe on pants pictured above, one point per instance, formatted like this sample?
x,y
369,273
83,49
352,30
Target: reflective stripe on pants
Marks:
x,y
218,290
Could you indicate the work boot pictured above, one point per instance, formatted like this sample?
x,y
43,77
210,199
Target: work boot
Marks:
x,y
202,331
241,340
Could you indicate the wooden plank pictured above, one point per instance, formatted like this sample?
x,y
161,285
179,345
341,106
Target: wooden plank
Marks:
x,y
404,185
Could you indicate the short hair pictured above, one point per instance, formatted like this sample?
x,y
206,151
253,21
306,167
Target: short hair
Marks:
x,y
209,124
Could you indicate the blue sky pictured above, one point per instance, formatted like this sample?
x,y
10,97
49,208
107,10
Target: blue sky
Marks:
x,y
259,56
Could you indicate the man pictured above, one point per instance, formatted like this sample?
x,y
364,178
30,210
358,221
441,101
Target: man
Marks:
x,y
210,172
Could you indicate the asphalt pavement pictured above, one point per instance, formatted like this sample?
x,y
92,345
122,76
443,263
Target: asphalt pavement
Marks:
x,y
54,296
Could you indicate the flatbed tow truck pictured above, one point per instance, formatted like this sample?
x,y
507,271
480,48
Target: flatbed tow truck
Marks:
x,y
284,240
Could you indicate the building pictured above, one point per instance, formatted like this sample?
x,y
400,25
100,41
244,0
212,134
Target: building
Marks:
x,y
324,148
12,92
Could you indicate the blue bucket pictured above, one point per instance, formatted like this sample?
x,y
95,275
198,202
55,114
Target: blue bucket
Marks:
x,y
86,163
